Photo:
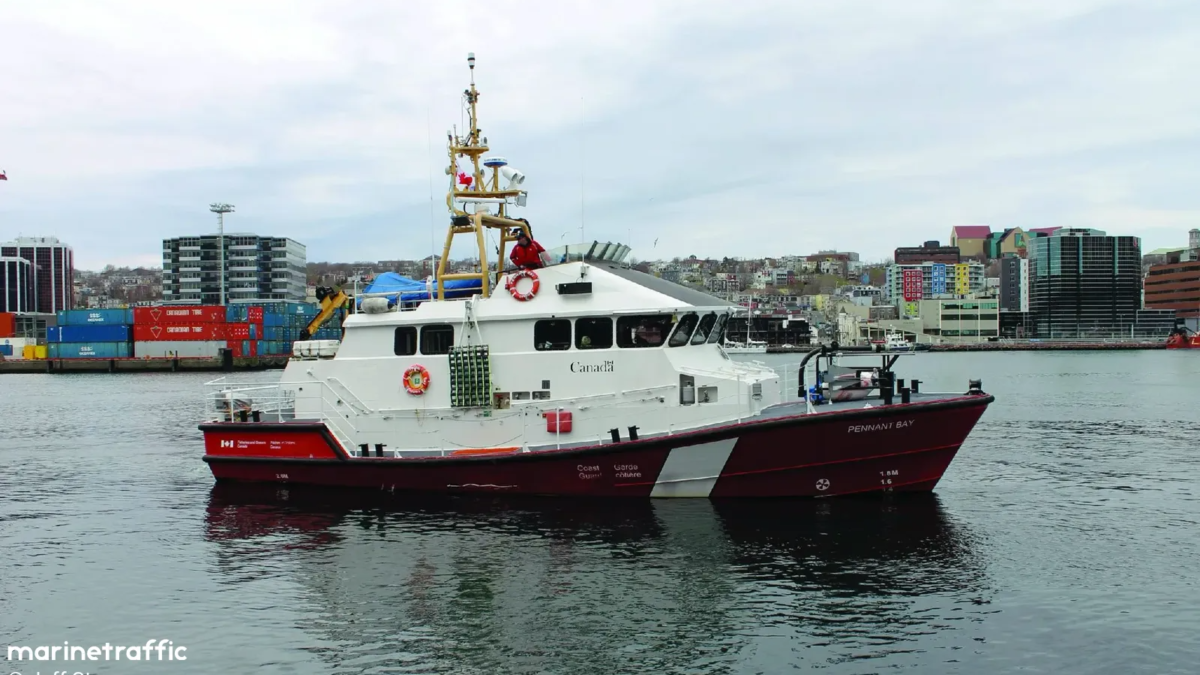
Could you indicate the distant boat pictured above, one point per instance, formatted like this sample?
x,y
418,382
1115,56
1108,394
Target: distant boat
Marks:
x,y
896,342
1182,338
747,347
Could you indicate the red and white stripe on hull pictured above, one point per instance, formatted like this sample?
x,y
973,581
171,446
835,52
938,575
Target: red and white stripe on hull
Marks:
x,y
898,447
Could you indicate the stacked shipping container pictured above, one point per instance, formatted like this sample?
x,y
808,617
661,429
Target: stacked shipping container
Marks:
x,y
185,331
276,325
90,334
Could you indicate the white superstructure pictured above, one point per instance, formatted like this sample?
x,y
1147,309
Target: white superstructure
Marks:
x,y
618,348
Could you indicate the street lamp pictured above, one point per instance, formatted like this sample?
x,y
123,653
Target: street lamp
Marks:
x,y
221,209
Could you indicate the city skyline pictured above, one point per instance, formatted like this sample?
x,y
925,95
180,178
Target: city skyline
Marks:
x,y
736,130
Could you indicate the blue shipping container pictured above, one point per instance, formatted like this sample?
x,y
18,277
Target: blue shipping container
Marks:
x,y
272,348
96,333
89,317
5,350
89,350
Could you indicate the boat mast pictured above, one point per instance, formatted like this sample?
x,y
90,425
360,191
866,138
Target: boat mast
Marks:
x,y
478,196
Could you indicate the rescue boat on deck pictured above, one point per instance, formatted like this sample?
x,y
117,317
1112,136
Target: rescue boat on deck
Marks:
x,y
585,377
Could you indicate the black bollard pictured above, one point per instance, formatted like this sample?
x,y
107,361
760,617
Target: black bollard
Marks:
x,y
243,415
633,433
379,449
975,387
904,395
362,450
256,415
915,386
885,387
616,435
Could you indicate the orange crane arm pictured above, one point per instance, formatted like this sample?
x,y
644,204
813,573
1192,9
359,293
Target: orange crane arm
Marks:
x,y
330,301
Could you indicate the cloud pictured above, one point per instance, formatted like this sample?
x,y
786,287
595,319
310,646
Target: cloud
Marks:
x,y
750,128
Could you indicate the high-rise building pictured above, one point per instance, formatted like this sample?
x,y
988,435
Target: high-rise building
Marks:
x,y
257,269
16,285
1086,284
1014,284
52,270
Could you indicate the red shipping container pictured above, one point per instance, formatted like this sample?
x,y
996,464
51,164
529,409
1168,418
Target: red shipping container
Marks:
x,y
197,331
237,331
8,324
253,348
255,314
195,314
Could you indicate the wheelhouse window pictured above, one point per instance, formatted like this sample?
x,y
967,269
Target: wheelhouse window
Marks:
x,y
405,341
718,331
437,339
552,335
683,330
703,330
594,333
643,330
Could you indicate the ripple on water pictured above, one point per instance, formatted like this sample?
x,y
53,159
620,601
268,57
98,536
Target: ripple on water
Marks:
x,y
1061,540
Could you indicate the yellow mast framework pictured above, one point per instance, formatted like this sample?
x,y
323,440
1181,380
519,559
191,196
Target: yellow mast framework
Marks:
x,y
474,146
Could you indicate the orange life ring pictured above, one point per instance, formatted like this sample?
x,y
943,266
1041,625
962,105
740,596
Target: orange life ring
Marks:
x,y
416,380
513,279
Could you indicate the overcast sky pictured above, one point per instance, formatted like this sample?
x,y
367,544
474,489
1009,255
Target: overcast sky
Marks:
x,y
714,127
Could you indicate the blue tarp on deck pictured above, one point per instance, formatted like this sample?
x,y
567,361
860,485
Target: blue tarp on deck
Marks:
x,y
413,291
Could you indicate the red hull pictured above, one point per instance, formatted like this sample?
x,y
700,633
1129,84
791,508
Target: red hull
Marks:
x,y
1184,343
903,447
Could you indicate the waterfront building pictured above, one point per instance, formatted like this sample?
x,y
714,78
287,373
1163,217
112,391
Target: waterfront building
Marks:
x,y
955,320
1175,283
1014,284
1087,284
256,269
930,251
51,269
16,285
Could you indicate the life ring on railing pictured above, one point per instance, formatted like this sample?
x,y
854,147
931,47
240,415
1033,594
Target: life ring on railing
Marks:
x,y
514,279
416,380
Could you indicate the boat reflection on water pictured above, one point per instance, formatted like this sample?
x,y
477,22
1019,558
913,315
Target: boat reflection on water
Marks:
x,y
491,585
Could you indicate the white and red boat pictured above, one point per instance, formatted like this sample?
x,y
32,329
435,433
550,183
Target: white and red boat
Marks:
x,y
584,377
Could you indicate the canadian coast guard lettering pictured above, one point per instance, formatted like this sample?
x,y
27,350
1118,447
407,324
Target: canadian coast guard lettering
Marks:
x,y
588,471
879,426
603,367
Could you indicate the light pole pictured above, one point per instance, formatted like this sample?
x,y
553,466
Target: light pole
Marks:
x,y
221,209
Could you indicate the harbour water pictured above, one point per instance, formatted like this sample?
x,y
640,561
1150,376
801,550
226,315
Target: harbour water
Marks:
x,y
1064,539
